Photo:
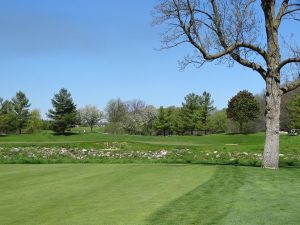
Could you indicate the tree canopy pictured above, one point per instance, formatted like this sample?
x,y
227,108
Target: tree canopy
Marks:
x,y
294,111
243,108
21,107
90,116
64,113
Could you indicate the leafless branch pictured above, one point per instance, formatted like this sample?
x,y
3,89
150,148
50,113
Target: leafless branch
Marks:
x,y
287,61
202,26
291,85
287,9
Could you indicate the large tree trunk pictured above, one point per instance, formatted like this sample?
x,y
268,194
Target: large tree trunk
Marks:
x,y
273,100
273,92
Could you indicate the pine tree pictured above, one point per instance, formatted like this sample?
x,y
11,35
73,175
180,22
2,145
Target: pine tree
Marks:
x,y
21,108
189,114
206,105
162,124
64,113
8,121
195,113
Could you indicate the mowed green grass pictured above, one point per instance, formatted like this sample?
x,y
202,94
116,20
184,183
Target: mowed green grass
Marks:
x,y
147,194
220,142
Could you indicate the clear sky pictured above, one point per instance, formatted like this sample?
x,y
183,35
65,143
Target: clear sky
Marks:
x,y
100,50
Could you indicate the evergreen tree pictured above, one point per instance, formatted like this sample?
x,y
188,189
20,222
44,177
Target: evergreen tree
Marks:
x,y
21,108
63,114
189,115
161,124
171,118
206,108
7,117
195,112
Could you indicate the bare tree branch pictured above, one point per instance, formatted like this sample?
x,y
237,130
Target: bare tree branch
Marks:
x,y
234,55
286,9
281,13
291,86
287,61
185,13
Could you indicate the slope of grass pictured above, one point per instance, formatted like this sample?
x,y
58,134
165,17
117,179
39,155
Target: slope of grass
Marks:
x,y
240,142
98,147
148,194
49,137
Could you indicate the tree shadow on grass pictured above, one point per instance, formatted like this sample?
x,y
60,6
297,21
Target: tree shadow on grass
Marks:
x,y
208,203
244,133
65,134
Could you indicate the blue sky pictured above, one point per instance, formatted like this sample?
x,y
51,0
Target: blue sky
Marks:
x,y
101,50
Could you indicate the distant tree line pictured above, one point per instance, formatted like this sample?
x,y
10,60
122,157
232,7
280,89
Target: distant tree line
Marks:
x,y
196,116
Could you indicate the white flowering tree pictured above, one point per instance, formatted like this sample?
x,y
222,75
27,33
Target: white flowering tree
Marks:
x,y
90,115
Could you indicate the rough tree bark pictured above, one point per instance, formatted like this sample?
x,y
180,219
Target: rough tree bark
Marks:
x,y
273,100
273,92
226,29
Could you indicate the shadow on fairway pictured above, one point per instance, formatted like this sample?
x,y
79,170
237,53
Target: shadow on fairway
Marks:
x,y
233,134
209,203
66,134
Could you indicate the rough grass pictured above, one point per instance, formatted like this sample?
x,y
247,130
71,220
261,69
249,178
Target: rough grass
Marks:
x,y
148,194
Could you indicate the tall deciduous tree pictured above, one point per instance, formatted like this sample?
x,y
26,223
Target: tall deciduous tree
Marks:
x,y
136,106
229,30
294,112
217,121
116,111
21,108
149,115
243,108
35,122
133,120
64,113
